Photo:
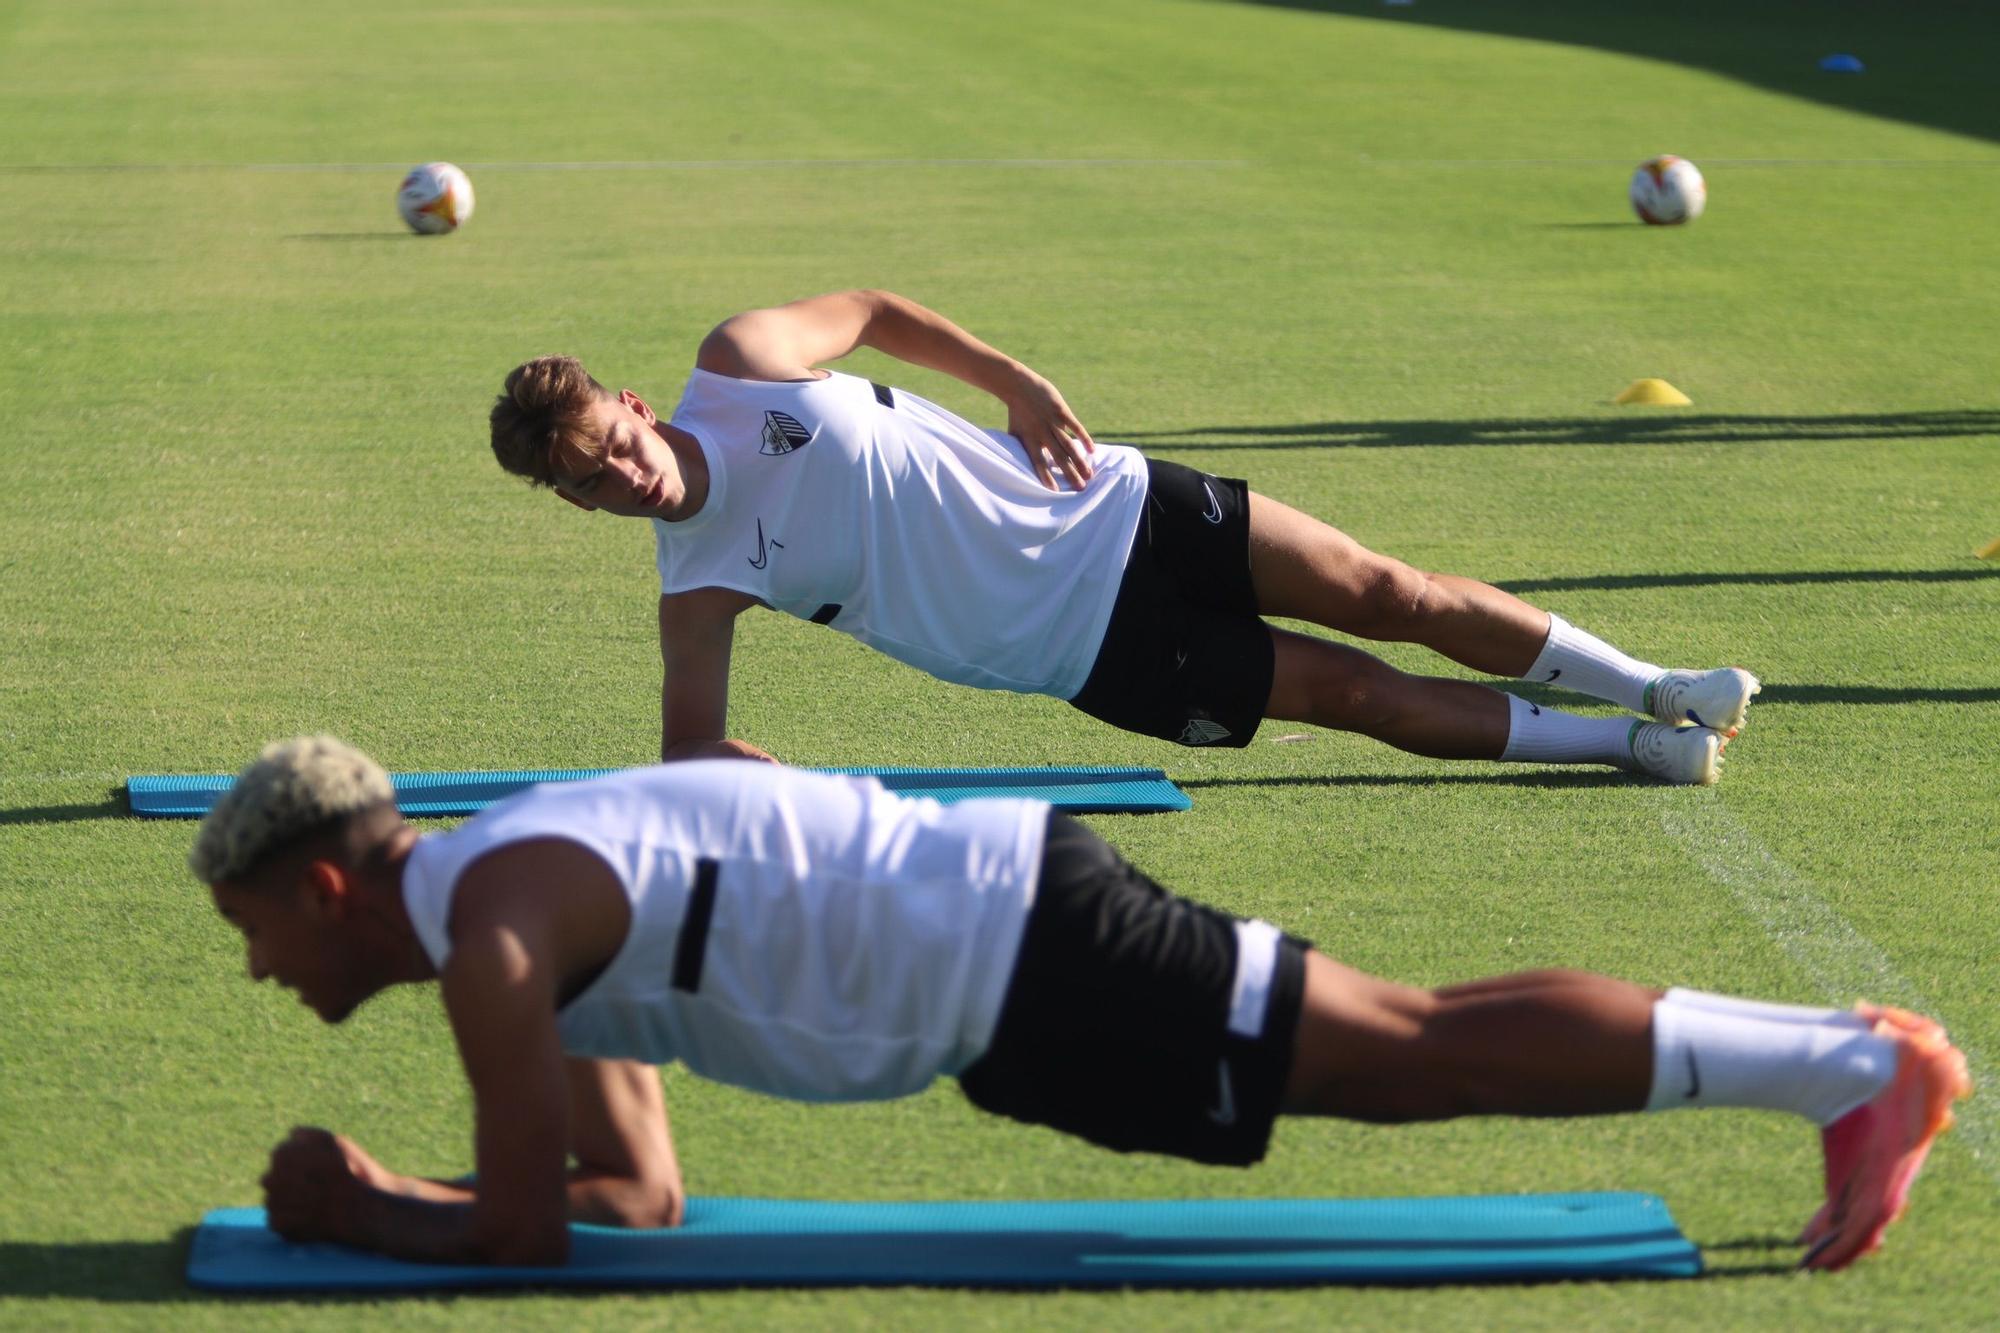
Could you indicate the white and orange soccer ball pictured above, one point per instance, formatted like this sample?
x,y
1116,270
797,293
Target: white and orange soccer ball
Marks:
x,y
435,198
1667,191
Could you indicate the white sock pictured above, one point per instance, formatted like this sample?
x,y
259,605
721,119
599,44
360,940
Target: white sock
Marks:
x,y
1580,661
1765,1009
1820,1064
1538,735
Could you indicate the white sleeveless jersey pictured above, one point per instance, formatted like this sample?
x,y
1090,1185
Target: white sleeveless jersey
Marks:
x,y
799,934
891,519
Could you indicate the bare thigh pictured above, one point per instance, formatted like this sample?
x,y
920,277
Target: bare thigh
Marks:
x,y
1304,569
1552,1042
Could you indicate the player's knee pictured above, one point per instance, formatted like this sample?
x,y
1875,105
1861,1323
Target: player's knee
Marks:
x,y
1362,696
1396,597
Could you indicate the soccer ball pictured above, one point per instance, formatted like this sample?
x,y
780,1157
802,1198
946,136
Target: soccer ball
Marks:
x,y
1667,191
435,198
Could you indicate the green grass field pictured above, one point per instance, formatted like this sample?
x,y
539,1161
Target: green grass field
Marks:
x,y
1378,261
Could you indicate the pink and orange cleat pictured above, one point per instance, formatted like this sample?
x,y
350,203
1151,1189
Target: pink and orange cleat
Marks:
x,y
1873,1153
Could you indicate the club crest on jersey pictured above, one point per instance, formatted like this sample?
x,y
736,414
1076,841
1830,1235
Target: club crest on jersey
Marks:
x,y
783,434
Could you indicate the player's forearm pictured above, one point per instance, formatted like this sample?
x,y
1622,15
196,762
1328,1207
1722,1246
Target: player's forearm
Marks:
x,y
910,332
425,1191
598,1197
434,1231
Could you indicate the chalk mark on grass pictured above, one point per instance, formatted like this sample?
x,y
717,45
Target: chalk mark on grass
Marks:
x,y
1842,962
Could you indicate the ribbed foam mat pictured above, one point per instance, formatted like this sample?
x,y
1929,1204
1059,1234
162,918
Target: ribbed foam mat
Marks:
x,y
1079,790
728,1242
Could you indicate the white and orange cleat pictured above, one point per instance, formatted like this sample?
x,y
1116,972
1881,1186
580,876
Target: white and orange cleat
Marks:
x,y
1717,699
1873,1153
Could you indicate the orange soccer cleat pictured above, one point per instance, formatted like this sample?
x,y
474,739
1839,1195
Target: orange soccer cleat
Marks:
x,y
1874,1152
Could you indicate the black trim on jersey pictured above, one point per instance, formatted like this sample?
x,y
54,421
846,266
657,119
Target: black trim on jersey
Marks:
x,y
825,615
694,927
883,394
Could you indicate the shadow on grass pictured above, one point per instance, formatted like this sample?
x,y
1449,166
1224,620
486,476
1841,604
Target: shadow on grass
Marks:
x,y
1650,428
1774,578
1559,778
1878,694
353,236
1748,1270
140,1272
1777,1246
1929,62
113,806
109,1270
1773,1241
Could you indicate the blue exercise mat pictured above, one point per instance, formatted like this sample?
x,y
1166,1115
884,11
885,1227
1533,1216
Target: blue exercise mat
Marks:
x,y
1170,1243
1083,790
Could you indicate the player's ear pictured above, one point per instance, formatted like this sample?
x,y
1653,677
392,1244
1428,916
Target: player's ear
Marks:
x,y
584,505
327,888
638,405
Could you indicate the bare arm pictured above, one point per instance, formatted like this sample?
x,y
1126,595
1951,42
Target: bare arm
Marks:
x,y
515,947
625,1172
697,632
502,1007
785,342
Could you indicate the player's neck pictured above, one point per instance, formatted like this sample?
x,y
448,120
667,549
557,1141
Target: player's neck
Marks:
x,y
410,962
693,468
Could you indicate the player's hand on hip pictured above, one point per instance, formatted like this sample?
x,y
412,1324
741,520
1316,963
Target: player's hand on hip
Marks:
x,y
1055,440
312,1185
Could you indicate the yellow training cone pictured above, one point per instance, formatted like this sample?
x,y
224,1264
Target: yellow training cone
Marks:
x,y
1988,551
1653,393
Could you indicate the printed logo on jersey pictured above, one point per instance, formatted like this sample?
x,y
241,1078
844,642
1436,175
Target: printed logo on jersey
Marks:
x,y
1201,731
763,556
783,434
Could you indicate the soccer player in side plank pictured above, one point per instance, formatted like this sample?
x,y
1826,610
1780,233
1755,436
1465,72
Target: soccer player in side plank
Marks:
x,y
818,938
1136,593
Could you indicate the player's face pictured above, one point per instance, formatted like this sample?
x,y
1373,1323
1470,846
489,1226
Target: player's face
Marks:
x,y
291,943
634,473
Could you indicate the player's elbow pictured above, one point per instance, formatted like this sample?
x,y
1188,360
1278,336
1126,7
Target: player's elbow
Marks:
x,y
649,1207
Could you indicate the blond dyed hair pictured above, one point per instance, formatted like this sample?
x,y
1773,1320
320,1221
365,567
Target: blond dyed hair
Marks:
x,y
294,788
545,408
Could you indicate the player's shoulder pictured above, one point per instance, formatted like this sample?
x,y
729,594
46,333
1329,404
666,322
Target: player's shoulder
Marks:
x,y
750,346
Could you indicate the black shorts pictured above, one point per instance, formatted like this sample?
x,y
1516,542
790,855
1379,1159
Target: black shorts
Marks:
x,y
1185,657
1126,1021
